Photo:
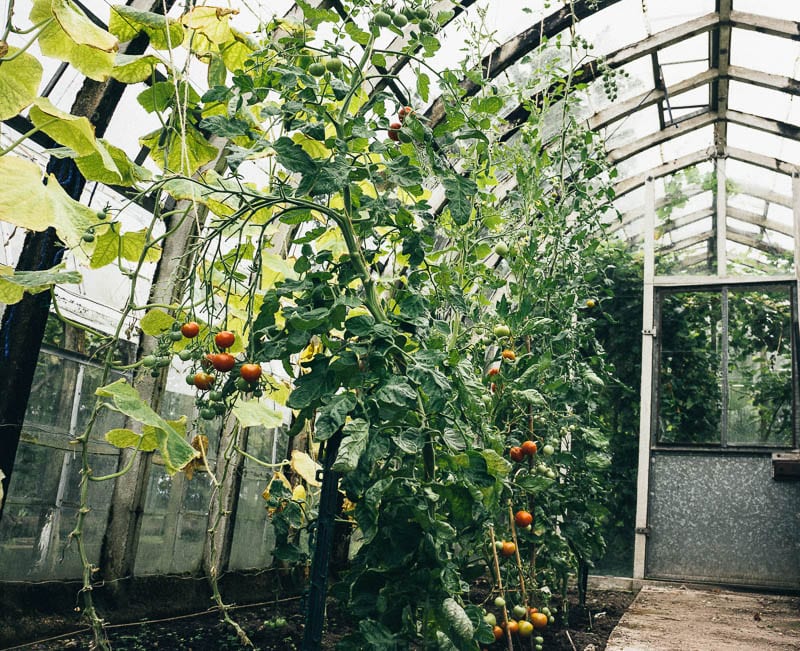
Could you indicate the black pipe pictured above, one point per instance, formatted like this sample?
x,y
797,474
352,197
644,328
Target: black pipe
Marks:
x,y
318,588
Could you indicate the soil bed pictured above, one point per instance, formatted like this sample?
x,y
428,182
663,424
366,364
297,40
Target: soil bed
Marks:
x,y
264,624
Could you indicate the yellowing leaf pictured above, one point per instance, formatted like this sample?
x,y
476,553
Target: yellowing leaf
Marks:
x,y
279,477
19,82
279,390
310,351
80,29
133,244
164,33
333,242
133,68
126,173
299,493
127,438
156,322
306,467
275,269
25,201
312,146
175,450
211,22
75,132
252,413
14,284
236,51
93,51
181,155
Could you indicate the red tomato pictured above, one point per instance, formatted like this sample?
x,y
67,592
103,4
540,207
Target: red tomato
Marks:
x,y
394,131
190,330
250,372
529,448
516,453
222,361
493,371
224,339
404,112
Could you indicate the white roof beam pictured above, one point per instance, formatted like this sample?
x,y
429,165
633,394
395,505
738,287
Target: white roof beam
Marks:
x,y
765,25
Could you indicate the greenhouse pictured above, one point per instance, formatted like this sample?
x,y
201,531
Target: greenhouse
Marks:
x,y
400,324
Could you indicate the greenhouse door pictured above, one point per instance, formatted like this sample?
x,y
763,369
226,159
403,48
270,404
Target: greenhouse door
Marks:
x,y
725,383
722,519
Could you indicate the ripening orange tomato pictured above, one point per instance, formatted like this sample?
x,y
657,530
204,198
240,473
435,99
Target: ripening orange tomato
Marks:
x,y
539,620
508,548
250,372
529,448
509,354
523,518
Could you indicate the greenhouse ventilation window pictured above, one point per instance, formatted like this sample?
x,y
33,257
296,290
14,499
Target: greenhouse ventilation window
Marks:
x,y
725,367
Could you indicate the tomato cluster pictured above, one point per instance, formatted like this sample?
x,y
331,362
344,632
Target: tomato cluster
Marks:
x,y
209,378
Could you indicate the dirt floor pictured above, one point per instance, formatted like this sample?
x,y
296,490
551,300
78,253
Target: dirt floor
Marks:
x,y
280,628
670,618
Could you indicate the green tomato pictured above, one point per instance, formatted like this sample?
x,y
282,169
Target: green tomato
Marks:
x,y
400,20
163,362
501,249
316,69
538,639
175,335
421,13
185,354
501,330
498,545
520,611
548,450
88,237
490,619
207,413
333,65
219,408
382,19
241,384
190,379
499,602
427,26
546,611
149,361
215,396
551,474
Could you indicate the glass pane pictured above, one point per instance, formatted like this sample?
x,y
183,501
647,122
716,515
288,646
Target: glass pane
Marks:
x,y
690,399
760,367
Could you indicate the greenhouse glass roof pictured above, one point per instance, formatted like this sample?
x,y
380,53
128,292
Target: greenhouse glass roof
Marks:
x,y
671,86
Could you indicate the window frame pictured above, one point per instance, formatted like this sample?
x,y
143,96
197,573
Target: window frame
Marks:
x,y
722,288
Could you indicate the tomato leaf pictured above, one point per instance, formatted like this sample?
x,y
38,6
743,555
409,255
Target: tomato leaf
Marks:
x,y
333,415
460,192
354,442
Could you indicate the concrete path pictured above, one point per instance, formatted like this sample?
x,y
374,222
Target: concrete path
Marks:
x,y
683,619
